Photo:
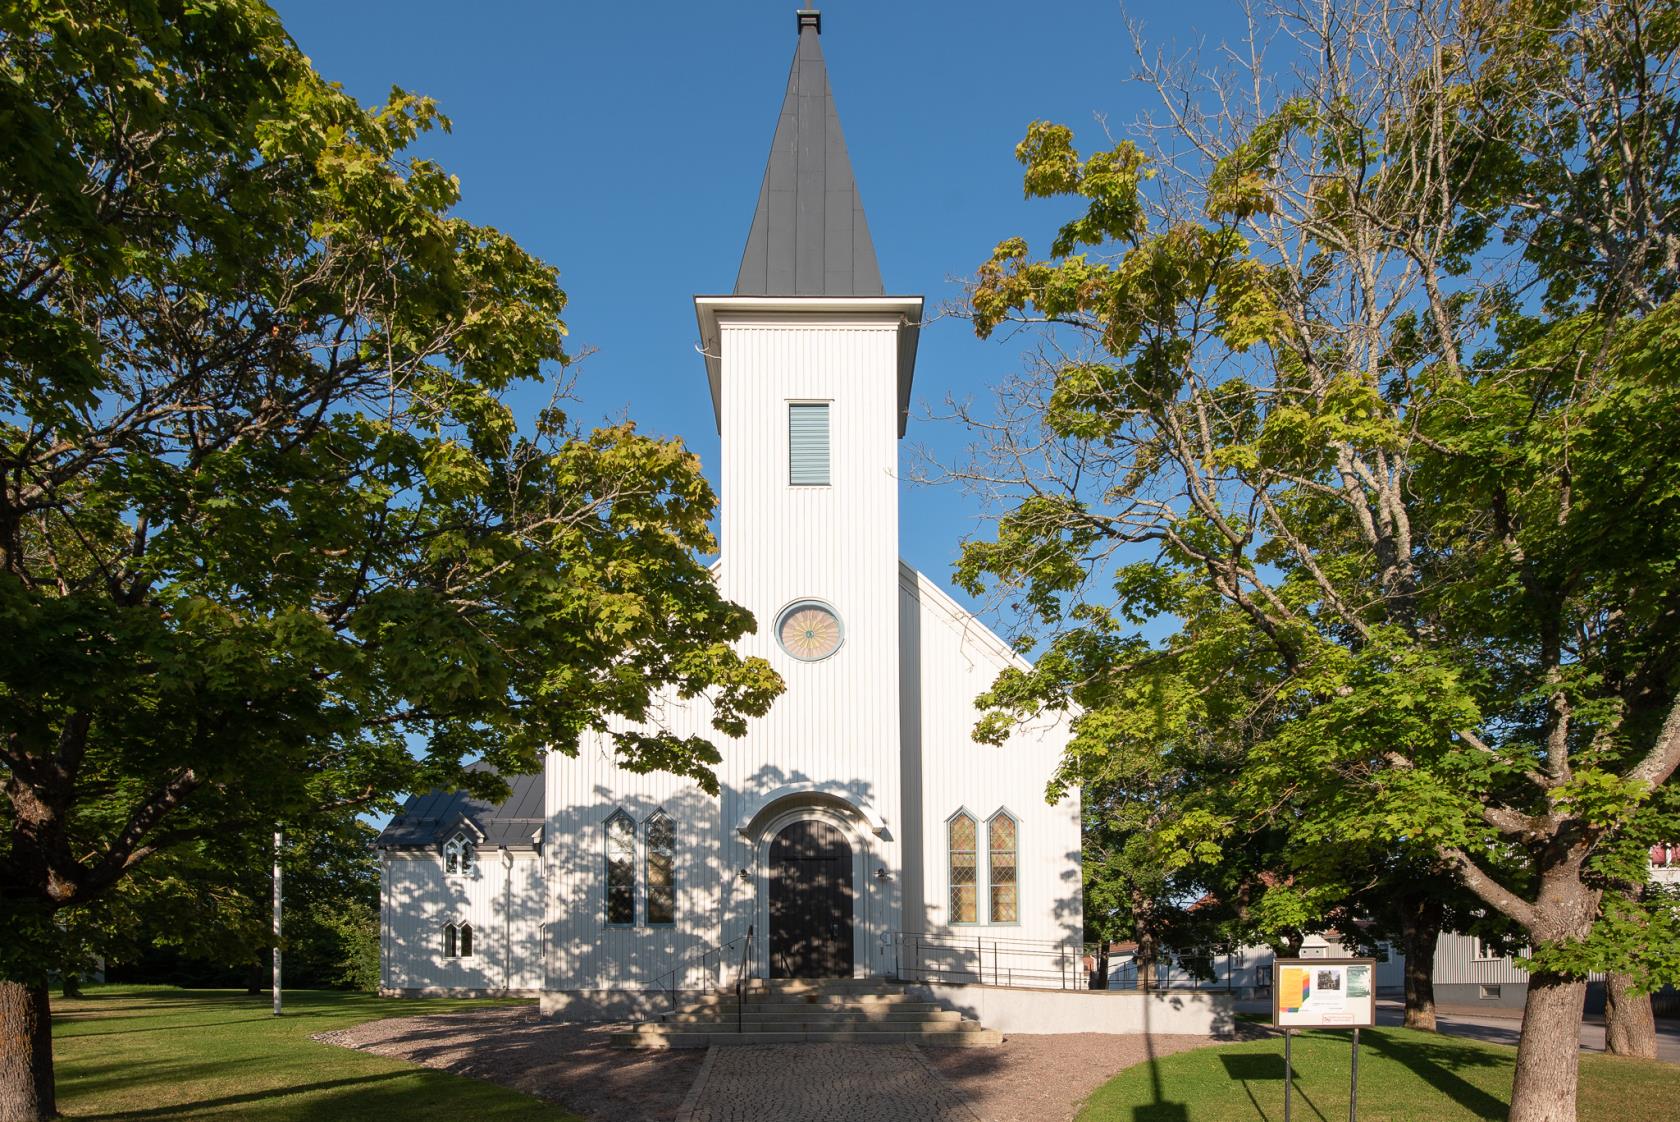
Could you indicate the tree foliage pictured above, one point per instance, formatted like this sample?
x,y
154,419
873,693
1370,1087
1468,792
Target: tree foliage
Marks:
x,y
266,518
1362,382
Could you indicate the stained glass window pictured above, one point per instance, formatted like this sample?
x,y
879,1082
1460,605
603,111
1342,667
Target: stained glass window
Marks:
x,y
621,869
965,868
661,852
1001,851
809,631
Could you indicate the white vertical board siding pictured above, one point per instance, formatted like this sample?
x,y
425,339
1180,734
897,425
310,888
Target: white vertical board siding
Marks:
x,y
502,899
835,730
837,726
951,658
584,952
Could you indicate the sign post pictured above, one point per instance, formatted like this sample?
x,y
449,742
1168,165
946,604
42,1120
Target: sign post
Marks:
x,y
1323,993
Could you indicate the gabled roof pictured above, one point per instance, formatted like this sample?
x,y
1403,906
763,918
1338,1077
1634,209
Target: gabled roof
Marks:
x,y
427,821
809,236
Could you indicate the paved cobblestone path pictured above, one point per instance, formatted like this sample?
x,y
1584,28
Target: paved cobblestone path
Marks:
x,y
822,1083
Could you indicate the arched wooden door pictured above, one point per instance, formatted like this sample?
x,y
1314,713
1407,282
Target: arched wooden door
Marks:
x,y
810,902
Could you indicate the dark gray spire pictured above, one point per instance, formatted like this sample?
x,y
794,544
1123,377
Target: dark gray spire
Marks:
x,y
809,237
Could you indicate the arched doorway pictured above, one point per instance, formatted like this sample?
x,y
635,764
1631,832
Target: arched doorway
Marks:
x,y
810,902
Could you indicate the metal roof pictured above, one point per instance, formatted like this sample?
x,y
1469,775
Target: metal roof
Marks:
x,y
809,236
428,820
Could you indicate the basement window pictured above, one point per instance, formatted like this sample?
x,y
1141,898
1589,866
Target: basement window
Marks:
x,y
1490,993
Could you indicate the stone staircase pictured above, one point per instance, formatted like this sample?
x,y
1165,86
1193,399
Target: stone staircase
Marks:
x,y
788,1011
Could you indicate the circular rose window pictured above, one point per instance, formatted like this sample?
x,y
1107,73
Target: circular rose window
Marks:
x,y
809,630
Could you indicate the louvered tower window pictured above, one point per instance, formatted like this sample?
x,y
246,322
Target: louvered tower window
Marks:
x,y
808,444
965,868
1001,867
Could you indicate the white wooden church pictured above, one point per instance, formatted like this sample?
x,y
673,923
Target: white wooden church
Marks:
x,y
860,832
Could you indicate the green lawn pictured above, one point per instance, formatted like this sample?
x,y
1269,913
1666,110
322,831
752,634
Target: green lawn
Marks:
x,y
1404,1076
151,1052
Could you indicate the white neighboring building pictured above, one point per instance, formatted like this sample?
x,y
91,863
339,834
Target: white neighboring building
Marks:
x,y
461,894
859,825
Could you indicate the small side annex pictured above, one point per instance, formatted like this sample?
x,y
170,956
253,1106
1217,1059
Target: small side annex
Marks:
x,y
461,897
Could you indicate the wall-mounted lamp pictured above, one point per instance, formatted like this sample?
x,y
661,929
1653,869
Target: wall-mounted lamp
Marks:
x,y
744,874
882,874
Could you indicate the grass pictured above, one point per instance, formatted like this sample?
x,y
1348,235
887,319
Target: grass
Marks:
x,y
134,1053
1404,1076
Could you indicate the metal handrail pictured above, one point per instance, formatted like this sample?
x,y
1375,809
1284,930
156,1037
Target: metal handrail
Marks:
x,y
1063,952
686,963
740,975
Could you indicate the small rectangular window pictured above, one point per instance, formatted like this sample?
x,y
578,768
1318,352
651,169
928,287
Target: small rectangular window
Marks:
x,y
808,444
1490,993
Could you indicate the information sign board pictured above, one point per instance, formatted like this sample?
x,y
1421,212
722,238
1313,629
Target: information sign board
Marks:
x,y
1324,992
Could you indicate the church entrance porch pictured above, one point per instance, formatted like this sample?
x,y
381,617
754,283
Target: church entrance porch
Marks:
x,y
811,902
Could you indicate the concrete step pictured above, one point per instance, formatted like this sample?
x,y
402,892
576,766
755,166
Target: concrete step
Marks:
x,y
975,1038
836,1016
950,1022
836,1004
810,1026
817,985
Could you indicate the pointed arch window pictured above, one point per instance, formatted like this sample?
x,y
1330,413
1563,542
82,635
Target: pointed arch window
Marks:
x,y
661,868
1002,843
621,869
961,836
459,855
457,940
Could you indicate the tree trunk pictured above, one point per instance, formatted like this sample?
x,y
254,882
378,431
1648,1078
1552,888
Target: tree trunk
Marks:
x,y
1420,926
1549,1054
1145,960
26,1066
1099,975
1629,1027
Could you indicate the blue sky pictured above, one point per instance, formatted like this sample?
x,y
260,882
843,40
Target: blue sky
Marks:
x,y
624,143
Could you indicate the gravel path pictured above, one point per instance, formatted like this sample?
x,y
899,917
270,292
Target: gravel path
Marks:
x,y
1044,1078
560,1063
1025,1079
822,1083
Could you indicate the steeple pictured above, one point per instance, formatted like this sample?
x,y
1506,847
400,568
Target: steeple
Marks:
x,y
809,236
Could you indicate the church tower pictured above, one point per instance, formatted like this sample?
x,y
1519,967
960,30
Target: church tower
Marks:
x,y
810,366
857,831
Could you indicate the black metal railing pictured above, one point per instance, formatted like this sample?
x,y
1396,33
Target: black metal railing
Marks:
x,y
740,981
670,981
958,956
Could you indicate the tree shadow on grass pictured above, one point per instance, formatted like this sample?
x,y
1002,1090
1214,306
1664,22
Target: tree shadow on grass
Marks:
x,y
269,1017
176,1110
1161,1109
1266,1067
1438,1066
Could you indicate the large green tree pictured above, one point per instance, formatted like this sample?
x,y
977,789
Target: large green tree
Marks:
x,y
1373,345
266,519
